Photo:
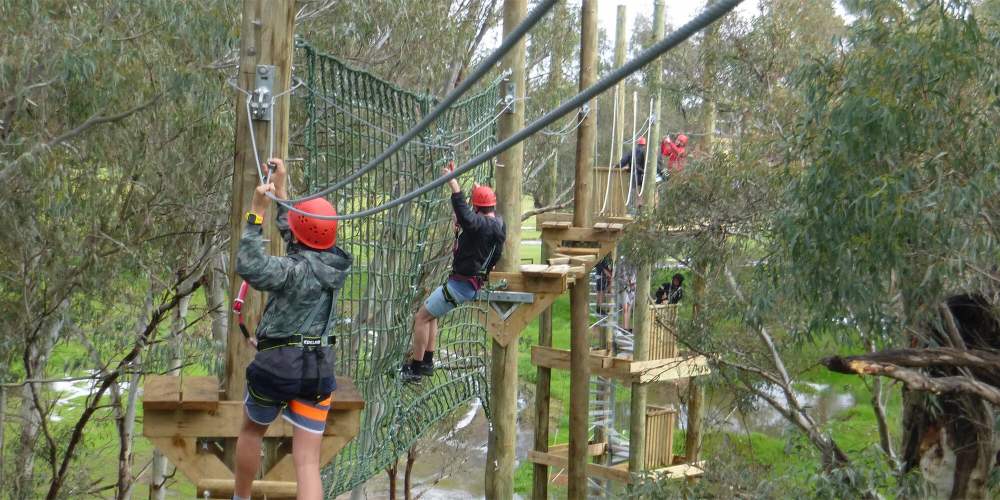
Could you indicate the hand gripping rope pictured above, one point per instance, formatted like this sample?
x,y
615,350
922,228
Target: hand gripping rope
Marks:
x,y
707,17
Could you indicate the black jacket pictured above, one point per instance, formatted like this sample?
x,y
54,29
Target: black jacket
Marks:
x,y
669,294
638,163
481,241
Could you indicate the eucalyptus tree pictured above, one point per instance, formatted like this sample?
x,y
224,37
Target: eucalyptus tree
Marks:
x,y
899,195
113,158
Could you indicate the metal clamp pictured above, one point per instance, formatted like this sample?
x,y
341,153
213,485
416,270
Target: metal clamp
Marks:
x,y
261,108
510,96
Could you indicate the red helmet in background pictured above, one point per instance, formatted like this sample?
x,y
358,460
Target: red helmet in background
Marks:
x,y
641,141
319,234
682,139
483,196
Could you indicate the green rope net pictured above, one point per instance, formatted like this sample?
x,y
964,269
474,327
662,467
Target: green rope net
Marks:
x,y
401,254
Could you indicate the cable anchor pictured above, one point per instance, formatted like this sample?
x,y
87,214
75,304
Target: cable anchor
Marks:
x,y
261,102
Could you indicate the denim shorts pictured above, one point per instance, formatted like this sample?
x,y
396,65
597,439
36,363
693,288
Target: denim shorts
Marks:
x,y
460,291
296,400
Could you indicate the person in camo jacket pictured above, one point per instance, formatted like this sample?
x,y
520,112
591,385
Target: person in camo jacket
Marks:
x,y
292,372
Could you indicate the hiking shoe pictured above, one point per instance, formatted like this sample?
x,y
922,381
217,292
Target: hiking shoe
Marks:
x,y
411,374
425,369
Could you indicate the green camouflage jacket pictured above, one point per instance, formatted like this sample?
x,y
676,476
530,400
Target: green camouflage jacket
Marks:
x,y
296,283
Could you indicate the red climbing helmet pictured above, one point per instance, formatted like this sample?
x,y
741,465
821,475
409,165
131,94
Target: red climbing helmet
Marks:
x,y
682,139
320,234
483,196
641,141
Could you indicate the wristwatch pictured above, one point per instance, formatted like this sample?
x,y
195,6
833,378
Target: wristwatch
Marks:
x,y
253,218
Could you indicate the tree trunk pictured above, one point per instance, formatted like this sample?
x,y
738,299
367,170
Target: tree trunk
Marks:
x,y
216,283
947,443
36,358
160,465
391,472
411,456
951,438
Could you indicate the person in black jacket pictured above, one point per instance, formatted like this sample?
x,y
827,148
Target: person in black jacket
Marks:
x,y
477,249
671,293
635,158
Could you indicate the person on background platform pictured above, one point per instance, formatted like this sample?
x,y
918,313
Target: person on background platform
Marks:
x,y
292,372
603,274
636,161
625,277
478,247
675,152
671,293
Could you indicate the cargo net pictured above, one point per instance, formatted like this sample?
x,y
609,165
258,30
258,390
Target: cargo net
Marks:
x,y
349,116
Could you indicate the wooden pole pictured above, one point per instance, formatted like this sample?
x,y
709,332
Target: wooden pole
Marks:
x,y
265,38
503,365
579,386
637,416
619,61
607,331
543,383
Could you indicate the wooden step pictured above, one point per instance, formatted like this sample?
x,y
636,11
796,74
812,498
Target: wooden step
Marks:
x,y
609,226
555,261
557,224
583,260
574,251
170,392
545,270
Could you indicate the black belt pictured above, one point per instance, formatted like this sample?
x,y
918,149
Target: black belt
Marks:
x,y
293,341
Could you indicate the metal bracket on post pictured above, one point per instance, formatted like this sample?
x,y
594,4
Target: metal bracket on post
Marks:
x,y
510,95
505,303
263,88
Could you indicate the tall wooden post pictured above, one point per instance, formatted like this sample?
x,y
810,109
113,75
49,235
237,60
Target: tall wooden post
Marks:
x,y
579,384
637,416
605,395
619,61
503,366
265,38
543,395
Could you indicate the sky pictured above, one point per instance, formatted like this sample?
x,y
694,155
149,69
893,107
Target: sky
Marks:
x,y
678,11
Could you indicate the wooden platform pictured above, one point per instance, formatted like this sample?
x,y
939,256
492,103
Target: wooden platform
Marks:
x,y
181,415
564,219
556,457
602,364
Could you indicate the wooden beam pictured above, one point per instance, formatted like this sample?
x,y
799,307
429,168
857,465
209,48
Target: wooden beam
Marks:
x,y
227,419
589,234
518,282
199,393
223,488
183,452
161,392
284,470
562,216
620,472
506,331
644,372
